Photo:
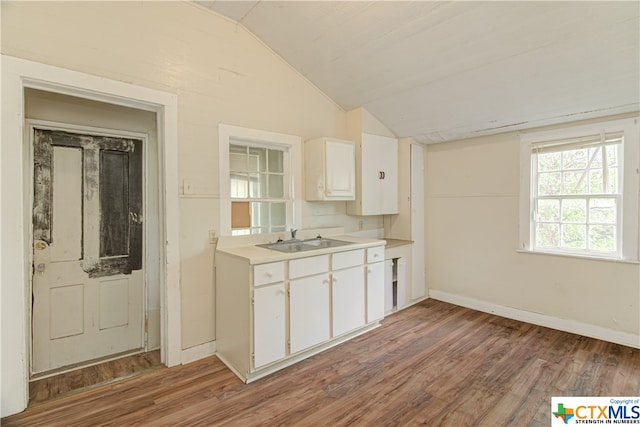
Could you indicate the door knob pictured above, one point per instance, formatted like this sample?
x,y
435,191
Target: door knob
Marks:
x,y
40,245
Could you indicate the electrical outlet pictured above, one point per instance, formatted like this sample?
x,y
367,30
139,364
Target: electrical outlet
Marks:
x,y
213,237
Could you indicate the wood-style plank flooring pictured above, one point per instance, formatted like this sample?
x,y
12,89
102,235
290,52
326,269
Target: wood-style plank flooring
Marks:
x,y
432,364
53,387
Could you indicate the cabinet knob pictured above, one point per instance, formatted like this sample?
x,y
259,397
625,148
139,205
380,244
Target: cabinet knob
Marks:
x,y
368,270
268,274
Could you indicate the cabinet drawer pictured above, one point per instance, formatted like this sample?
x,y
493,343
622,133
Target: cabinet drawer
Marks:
x,y
347,259
375,254
308,266
268,273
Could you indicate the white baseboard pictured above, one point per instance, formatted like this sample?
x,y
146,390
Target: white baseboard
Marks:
x,y
198,352
566,325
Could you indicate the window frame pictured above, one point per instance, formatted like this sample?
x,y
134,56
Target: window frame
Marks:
x,y
627,217
232,135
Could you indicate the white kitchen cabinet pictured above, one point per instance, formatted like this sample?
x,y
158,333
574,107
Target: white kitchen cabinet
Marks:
x,y
375,291
274,313
309,312
348,300
308,266
330,169
376,176
268,273
269,324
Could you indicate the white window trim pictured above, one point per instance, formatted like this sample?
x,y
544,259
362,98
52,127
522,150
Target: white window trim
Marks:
x,y
631,183
226,134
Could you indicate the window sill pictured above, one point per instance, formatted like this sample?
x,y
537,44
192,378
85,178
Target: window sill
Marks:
x,y
576,256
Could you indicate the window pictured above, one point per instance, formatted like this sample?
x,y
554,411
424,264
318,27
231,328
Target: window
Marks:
x,y
579,193
259,172
259,188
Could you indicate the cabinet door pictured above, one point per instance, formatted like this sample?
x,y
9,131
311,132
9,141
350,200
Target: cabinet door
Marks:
x,y
308,311
269,327
379,165
348,300
340,170
375,292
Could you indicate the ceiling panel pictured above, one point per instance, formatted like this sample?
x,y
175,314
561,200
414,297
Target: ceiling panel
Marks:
x,y
439,71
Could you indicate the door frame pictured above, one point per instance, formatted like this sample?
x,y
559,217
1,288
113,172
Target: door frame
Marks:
x,y
15,219
30,126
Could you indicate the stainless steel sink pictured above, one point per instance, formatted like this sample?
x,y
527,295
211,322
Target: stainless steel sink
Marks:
x,y
304,245
326,243
287,246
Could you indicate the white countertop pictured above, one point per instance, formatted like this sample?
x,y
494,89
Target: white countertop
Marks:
x,y
258,255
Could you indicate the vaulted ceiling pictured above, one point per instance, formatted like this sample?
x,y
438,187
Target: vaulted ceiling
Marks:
x,y
439,71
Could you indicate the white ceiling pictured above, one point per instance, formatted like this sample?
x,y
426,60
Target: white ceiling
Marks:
x,y
439,71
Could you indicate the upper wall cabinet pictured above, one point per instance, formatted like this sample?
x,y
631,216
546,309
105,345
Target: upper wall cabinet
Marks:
x,y
330,169
376,176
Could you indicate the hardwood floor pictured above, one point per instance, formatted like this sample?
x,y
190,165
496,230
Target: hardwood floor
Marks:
x,y
434,364
53,387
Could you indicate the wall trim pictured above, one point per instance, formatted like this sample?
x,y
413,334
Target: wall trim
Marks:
x,y
198,352
566,325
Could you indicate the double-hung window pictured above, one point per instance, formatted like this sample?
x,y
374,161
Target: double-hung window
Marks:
x,y
580,191
259,188
260,172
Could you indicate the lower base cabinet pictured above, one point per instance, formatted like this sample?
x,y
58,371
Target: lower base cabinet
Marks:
x,y
271,315
375,291
309,312
348,300
269,324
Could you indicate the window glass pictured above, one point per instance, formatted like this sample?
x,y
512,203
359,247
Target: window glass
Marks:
x,y
576,198
276,161
257,179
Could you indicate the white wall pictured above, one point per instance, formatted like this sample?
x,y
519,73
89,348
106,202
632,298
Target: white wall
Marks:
x,y
472,220
221,74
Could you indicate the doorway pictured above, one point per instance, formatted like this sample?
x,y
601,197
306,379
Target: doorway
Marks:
x,y
95,292
16,249
87,232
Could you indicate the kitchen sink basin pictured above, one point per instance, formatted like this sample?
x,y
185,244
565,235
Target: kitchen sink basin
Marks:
x,y
288,246
326,243
304,245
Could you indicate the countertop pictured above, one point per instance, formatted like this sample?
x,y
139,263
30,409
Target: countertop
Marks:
x,y
257,255
392,243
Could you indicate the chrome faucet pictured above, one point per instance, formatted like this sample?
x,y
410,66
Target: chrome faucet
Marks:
x,y
293,233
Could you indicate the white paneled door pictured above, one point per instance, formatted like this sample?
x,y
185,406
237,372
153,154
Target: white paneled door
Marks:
x,y
87,248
